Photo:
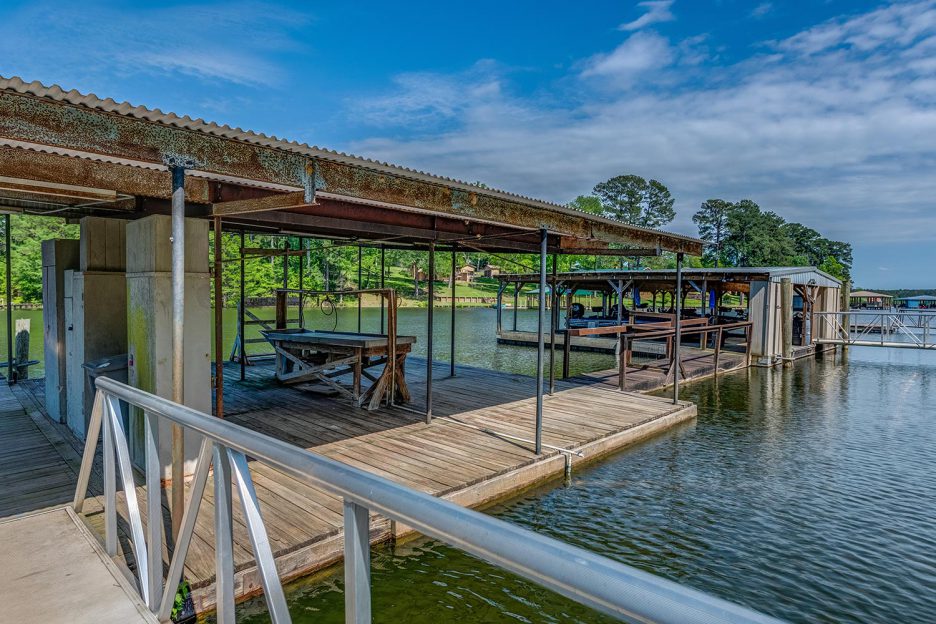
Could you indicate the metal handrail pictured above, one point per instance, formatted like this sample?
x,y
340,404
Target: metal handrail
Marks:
x,y
863,322
588,578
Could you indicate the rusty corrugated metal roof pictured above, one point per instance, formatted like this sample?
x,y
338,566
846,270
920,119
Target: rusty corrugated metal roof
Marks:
x,y
76,98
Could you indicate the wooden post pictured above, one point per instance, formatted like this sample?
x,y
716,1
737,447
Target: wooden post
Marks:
x,y
281,297
22,349
676,324
846,318
786,321
623,349
718,342
219,322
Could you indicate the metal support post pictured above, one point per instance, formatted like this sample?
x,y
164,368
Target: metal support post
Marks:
x,y
241,312
383,272
178,342
452,329
540,345
224,541
9,298
285,262
516,304
431,292
219,320
677,339
553,320
357,564
360,251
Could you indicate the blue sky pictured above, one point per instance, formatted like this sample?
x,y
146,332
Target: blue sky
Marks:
x,y
822,111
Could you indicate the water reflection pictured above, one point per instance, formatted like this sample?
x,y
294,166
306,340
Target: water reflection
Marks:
x,y
806,494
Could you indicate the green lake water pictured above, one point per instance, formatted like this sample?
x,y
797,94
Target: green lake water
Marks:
x,y
807,494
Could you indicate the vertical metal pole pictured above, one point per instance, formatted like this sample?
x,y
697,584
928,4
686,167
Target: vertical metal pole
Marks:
x,y
360,251
178,328
516,303
431,293
676,323
383,272
540,346
110,483
302,260
553,319
241,312
224,542
285,262
9,298
452,329
154,517
357,564
219,321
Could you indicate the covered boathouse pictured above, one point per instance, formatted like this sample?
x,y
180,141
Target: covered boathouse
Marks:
x,y
147,187
746,302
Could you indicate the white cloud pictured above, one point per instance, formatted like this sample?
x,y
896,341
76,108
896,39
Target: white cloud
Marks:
x,y
823,130
112,42
639,52
761,10
656,11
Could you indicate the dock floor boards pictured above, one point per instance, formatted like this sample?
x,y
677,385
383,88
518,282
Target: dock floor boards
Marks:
x,y
33,473
459,456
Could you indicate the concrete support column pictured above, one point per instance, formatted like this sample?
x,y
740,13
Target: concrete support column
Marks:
x,y
150,323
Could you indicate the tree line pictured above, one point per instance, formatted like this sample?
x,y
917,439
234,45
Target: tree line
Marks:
x,y
738,233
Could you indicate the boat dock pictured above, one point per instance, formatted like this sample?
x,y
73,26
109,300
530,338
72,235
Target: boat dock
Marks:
x,y
477,450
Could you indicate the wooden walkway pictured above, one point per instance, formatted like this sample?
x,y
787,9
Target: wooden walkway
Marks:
x,y
34,472
459,456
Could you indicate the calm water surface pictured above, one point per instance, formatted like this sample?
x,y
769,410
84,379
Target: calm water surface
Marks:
x,y
808,495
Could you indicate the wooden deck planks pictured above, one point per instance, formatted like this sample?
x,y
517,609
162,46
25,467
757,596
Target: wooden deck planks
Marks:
x,y
449,457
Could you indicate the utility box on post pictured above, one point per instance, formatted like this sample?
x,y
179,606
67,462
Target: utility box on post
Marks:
x,y
58,256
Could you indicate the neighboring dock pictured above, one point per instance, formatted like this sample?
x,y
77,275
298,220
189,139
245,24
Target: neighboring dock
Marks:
x,y
473,453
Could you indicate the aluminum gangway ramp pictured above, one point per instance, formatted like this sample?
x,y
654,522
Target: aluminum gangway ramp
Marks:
x,y
53,570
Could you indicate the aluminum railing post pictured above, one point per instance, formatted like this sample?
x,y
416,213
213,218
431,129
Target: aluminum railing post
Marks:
x,y
224,541
357,564
259,540
154,520
110,484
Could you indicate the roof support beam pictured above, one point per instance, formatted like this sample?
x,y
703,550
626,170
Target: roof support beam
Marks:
x,y
96,134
